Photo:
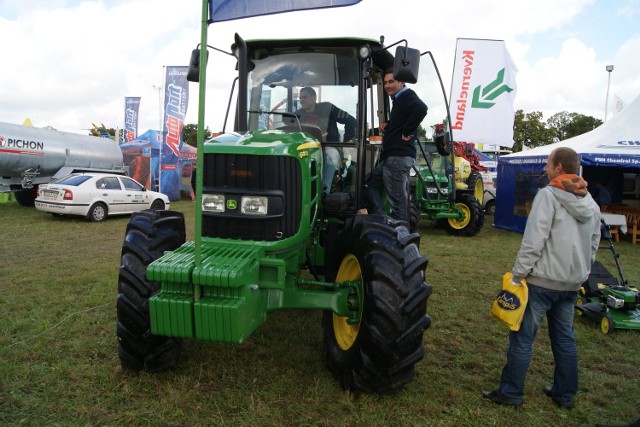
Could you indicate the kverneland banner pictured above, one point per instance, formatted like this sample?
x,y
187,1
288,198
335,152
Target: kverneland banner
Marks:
x,y
483,90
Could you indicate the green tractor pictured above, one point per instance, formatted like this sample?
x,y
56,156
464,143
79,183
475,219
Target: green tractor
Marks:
x,y
446,186
269,235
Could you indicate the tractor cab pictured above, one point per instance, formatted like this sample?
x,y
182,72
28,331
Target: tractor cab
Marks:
x,y
339,125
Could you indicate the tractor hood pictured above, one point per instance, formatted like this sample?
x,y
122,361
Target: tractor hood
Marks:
x,y
267,142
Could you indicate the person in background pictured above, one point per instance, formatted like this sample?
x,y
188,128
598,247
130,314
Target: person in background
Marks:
x,y
558,247
398,150
326,116
193,181
602,195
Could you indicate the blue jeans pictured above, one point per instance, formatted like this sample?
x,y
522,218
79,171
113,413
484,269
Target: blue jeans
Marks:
x,y
559,306
332,162
392,174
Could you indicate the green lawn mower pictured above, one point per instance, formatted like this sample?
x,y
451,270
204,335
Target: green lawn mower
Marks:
x,y
605,299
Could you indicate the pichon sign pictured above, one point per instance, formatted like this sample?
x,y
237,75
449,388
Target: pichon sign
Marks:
x,y
20,144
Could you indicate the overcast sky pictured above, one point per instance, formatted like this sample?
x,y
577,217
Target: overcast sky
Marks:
x,y
70,63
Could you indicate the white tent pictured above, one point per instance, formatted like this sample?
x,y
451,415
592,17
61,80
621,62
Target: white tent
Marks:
x,y
606,153
614,143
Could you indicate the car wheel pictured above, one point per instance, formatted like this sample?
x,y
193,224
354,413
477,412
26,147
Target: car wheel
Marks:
x,y
97,212
157,205
490,208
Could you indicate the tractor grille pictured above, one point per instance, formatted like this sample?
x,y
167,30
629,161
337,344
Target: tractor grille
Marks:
x,y
236,175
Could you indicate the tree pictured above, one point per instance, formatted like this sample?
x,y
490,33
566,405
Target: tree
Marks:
x,y
581,124
190,134
530,130
567,125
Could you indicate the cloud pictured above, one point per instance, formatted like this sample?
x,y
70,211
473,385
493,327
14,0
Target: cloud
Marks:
x,y
68,63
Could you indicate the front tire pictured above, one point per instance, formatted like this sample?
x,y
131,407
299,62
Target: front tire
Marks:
x,y
473,220
378,354
414,217
607,325
148,235
157,205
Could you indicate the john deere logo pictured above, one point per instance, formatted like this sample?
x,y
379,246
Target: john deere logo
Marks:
x,y
232,204
508,301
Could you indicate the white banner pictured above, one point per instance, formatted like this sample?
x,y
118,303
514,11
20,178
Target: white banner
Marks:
x,y
483,90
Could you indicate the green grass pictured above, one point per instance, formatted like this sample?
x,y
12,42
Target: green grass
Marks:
x,y
59,364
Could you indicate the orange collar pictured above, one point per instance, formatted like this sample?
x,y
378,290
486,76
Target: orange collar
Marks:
x,y
571,183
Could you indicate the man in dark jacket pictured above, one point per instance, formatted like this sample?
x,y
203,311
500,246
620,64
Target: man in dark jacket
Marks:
x,y
398,150
326,117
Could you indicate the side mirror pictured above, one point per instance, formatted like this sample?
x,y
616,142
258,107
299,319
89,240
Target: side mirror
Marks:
x,y
442,144
193,74
468,151
406,64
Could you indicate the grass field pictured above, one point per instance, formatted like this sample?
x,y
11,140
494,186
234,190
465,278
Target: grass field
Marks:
x,y
59,364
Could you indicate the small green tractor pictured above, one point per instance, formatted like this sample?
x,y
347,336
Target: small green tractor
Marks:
x,y
267,235
446,186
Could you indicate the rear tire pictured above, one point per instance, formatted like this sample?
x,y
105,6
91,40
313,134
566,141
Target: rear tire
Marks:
x,y
148,235
490,208
378,354
26,198
476,186
98,212
474,217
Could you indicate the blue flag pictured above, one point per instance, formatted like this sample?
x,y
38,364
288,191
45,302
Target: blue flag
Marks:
x,y
227,10
176,101
131,107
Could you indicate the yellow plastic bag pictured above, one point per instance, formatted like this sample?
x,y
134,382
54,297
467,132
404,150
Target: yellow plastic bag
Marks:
x,y
510,303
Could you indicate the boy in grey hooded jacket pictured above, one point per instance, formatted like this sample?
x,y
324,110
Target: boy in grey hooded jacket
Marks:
x,y
558,247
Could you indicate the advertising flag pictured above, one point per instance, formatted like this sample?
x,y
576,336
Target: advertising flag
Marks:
x,y
227,10
176,101
131,108
619,104
483,90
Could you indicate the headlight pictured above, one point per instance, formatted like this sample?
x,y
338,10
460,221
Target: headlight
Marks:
x,y
254,205
613,302
213,202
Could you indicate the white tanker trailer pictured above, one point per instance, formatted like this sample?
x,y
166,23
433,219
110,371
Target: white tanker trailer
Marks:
x,y
31,156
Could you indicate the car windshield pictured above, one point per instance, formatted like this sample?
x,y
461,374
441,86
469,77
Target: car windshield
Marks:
x,y
73,180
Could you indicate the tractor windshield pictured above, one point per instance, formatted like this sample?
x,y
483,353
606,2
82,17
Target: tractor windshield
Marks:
x,y
311,86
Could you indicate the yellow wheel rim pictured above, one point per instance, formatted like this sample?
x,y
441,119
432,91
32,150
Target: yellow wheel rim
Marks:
x,y
579,302
478,191
345,333
459,225
605,325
